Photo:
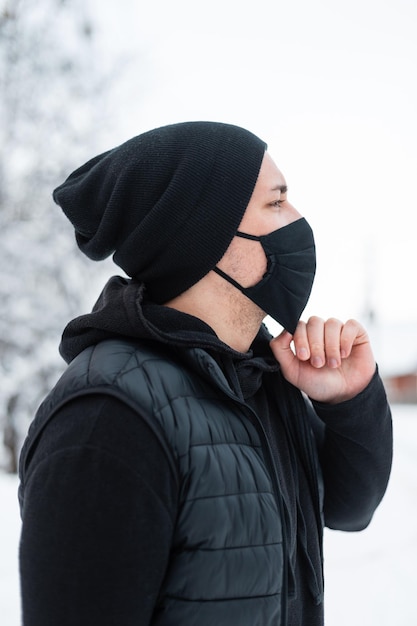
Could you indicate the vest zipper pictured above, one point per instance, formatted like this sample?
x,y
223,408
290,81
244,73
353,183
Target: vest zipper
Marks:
x,y
303,442
269,459
253,417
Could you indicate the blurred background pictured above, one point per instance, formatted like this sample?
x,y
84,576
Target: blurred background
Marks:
x,y
332,88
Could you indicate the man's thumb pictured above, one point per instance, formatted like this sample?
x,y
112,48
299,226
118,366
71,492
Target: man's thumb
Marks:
x,y
281,348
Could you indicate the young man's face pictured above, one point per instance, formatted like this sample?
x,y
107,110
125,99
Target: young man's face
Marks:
x,y
268,210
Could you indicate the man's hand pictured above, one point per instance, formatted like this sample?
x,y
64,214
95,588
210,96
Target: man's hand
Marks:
x,y
332,361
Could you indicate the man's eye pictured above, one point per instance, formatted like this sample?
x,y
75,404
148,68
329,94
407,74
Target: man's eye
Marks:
x,y
277,203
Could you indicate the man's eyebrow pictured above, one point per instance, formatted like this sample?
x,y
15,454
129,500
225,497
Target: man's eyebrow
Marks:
x,y
281,188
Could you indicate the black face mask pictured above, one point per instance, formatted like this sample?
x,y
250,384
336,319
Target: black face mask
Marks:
x,y
284,290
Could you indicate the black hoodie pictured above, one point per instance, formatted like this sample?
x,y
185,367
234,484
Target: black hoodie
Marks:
x,y
103,491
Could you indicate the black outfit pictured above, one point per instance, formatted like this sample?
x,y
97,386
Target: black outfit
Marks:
x,y
100,496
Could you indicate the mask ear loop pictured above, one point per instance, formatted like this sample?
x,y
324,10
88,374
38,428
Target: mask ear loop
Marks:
x,y
247,236
228,278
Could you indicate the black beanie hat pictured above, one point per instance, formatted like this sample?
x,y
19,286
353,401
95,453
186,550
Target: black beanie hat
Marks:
x,y
167,203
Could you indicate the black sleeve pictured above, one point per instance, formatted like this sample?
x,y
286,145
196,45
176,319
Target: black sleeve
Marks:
x,y
98,517
355,455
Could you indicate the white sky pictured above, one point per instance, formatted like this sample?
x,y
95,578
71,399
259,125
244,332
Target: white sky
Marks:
x,y
330,86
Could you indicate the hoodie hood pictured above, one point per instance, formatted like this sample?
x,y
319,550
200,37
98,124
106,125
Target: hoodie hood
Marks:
x,y
122,311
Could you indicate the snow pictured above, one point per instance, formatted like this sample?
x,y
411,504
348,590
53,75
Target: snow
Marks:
x,y
9,539
370,576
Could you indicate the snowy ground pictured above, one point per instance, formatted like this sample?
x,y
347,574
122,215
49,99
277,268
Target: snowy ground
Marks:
x,y
371,576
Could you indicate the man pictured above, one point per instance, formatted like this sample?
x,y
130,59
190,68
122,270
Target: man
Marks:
x,y
178,474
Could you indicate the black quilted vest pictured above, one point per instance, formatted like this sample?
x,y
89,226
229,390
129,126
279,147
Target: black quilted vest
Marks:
x,y
227,565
